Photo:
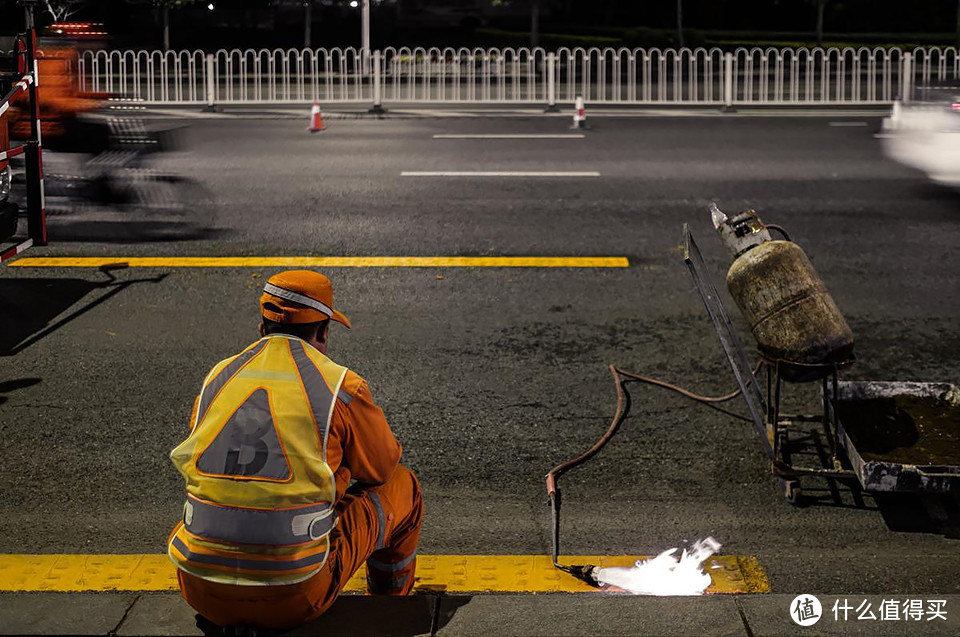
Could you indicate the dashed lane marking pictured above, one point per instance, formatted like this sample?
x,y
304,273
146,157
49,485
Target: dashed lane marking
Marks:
x,y
513,136
324,262
435,573
847,124
504,173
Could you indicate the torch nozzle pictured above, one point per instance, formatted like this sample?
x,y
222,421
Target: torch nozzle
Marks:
x,y
717,216
586,573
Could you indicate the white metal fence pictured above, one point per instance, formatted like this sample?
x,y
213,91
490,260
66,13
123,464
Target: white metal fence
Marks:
x,y
497,76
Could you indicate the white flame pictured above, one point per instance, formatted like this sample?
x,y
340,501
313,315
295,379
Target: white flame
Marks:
x,y
664,574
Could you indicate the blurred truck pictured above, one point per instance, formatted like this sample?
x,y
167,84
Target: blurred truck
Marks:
x,y
62,103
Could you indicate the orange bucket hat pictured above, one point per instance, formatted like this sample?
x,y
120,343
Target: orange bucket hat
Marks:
x,y
299,296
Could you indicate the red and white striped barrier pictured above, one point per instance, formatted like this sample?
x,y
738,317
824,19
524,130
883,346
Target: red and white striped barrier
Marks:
x,y
36,199
18,88
15,250
5,154
12,152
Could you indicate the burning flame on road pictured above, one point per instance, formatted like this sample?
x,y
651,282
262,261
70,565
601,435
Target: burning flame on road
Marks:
x,y
664,574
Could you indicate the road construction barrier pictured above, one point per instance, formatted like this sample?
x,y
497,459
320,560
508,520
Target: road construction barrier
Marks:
x,y
32,148
702,76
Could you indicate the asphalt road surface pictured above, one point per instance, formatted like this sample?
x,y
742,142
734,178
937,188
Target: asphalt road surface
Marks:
x,y
489,376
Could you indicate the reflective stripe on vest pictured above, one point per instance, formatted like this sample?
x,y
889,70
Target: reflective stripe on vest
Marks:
x,y
318,394
212,389
247,562
257,526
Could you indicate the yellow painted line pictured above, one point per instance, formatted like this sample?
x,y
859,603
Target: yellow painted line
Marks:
x,y
324,262
435,573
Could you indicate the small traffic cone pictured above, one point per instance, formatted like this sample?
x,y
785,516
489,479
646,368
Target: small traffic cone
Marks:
x,y
579,114
316,119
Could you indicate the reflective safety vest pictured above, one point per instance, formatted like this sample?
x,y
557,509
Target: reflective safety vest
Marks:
x,y
260,494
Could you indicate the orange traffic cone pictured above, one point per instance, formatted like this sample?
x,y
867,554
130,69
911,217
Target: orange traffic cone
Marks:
x,y
316,119
579,114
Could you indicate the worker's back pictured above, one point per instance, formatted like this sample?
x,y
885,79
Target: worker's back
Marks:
x,y
260,494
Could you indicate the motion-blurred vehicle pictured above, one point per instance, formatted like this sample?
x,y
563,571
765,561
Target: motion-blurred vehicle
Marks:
x,y
925,134
62,103
102,159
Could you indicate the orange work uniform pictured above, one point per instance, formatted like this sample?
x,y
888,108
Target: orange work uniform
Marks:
x,y
378,522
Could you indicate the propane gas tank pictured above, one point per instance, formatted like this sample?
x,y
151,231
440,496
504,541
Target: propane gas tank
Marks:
x,y
792,316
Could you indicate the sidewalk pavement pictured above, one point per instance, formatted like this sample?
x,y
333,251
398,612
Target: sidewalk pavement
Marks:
x,y
549,615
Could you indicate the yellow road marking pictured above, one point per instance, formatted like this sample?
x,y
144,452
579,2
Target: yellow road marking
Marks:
x,y
435,573
324,262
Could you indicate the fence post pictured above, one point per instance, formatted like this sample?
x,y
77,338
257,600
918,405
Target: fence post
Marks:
x,y
728,83
906,80
211,86
551,84
377,107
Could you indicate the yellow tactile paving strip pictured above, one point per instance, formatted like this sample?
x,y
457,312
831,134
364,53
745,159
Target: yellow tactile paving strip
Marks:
x,y
324,262
435,573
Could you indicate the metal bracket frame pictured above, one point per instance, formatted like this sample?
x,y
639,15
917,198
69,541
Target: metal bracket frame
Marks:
x,y
737,358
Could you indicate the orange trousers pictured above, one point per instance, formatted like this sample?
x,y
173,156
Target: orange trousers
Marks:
x,y
378,525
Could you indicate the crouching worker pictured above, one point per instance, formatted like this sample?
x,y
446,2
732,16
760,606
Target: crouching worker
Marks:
x,y
271,532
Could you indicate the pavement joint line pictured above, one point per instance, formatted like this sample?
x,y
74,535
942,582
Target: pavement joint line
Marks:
x,y
743,615
126,613
328,262
435,616
484,574
512,136
500,173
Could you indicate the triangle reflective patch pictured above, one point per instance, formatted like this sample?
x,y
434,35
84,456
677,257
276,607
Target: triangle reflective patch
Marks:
x,y
248,445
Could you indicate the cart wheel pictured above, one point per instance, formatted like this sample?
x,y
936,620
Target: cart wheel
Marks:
x,y
792,491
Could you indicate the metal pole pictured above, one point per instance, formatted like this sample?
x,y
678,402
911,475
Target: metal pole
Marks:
x,y
907,79
680,23
728,83
211,86
307,23
551,83
535,24
166,28
365,37
377,107
36,201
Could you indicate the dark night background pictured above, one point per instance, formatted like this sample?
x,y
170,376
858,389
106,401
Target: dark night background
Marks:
x,y
279,23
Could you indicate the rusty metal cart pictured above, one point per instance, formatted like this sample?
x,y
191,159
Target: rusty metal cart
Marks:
x,y
890,436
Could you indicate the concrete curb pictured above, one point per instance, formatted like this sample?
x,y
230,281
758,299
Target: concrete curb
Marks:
x,y
554,615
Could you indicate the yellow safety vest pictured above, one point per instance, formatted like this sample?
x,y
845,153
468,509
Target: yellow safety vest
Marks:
x,y
260,494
